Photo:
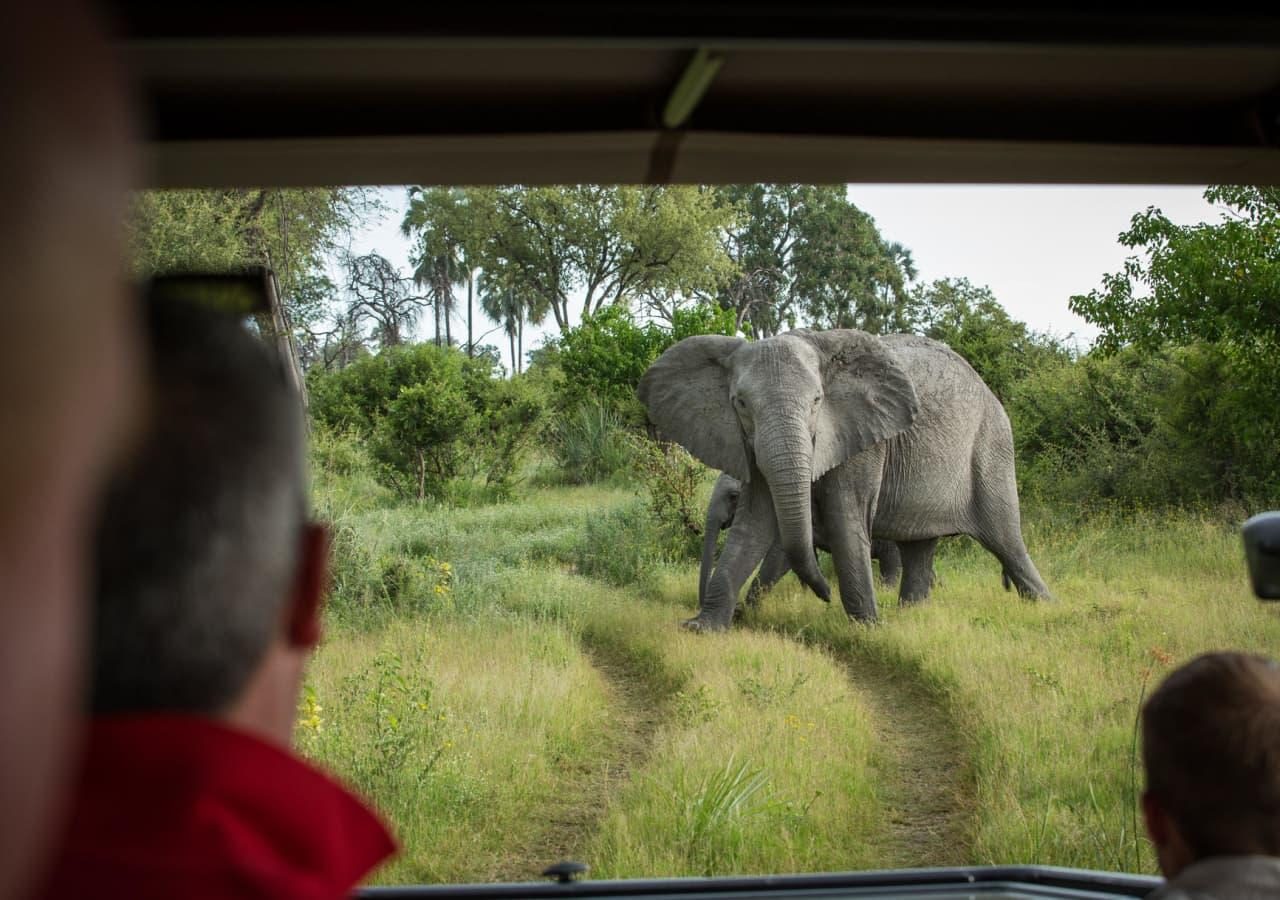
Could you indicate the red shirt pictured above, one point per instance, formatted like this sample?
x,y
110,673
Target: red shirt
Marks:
x,y
182,806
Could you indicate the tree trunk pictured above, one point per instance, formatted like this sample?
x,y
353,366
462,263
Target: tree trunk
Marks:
x,y
471,347
520,342
436,307
511,341
422,476
448,327
285,344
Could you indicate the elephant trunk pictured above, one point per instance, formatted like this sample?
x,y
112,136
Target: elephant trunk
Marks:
x,y
785,457
710,533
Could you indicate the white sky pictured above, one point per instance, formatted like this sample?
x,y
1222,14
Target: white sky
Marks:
x,y
1033,246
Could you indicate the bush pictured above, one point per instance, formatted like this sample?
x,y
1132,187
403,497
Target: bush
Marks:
x,y
344,478
605,356
430,415
1176,427
671,479
590,444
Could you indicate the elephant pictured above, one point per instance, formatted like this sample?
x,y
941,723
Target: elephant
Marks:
x,y
721,509
897,430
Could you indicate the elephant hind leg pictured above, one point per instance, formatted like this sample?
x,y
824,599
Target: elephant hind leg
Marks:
x,y
917,570
890,561
775,565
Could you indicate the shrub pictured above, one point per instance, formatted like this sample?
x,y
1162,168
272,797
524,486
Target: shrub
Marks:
x,y
344,478
605,356
670,478
430,415
1185,425
590,444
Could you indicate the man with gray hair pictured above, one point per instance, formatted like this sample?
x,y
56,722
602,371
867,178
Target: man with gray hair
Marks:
x,y
210,585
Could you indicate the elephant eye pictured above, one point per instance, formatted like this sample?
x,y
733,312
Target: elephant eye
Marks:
x,y
817,400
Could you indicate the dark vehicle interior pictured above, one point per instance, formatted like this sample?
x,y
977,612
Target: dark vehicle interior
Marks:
x,y
714,93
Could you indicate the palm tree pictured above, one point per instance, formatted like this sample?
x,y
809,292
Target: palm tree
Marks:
x,y
512,305
437,274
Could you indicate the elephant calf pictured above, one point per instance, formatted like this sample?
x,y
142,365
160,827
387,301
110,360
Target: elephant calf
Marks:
x,y
721,510
897,430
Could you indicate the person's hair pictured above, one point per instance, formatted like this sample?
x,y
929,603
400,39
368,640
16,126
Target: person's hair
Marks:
x,y
1211,748
197,545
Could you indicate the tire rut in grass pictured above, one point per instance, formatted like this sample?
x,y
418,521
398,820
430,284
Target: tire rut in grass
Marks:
x,y
571,819
927,789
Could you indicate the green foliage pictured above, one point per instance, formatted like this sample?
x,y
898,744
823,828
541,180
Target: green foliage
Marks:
x,y
1177,426
1177,402
619,547
702,318
806,251
590,444
603,243
711,810
969,320
1215,282
431,415
293,230
671,480
606,355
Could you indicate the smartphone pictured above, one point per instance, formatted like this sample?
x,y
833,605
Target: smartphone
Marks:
x,y
1262,554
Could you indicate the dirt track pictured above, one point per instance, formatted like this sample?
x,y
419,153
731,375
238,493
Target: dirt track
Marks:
x,y
573,818
926,790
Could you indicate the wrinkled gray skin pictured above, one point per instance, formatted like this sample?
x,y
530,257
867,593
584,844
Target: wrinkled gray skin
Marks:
x,y
897,430
721,510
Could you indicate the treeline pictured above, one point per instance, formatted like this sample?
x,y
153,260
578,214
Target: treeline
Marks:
x,y
1175,405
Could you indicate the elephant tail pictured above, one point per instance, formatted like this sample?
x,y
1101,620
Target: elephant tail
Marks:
x,y
1006,580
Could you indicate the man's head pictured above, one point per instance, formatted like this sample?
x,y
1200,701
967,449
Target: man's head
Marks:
x,y
208,568
67,384
1211,748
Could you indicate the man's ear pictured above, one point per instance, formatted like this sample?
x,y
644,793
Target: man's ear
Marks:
x,y
310,584
1156,820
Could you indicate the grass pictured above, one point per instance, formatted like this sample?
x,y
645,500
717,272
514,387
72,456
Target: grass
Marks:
x,y
1045,694
508,684
457,731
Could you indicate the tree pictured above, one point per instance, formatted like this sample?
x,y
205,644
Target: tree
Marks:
x,y
1212,281
969,319
806,251
848,275
511,304
294,231
612,243
377,293
446,225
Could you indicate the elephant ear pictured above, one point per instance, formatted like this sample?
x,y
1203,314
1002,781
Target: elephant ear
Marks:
x,y
869,396
686,392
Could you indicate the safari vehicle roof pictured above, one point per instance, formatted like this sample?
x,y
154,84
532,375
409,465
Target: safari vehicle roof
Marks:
x,y
562,92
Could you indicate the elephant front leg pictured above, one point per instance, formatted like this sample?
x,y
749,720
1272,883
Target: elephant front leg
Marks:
x,y
754,530
853,569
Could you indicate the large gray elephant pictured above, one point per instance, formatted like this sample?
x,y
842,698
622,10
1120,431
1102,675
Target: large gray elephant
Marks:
x,y
896,430
721,510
